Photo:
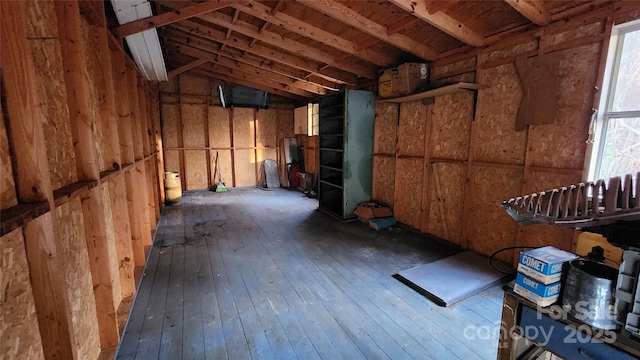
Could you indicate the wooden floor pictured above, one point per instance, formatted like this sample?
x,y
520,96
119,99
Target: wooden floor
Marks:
x,y
253,274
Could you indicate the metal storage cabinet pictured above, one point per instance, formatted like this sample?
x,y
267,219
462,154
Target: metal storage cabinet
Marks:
x,y
346,151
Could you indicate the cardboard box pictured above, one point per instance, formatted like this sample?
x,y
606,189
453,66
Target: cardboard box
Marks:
x,y
535,291
404,80
369,212
544,264
382,223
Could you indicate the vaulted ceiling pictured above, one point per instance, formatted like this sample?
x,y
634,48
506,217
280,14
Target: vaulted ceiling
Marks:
x,y
304,48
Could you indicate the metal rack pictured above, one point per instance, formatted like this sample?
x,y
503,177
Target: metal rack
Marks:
x,y
346,151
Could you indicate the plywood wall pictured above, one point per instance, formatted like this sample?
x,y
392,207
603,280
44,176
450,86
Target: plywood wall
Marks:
x,y
196,131
446,167
19,332
68,129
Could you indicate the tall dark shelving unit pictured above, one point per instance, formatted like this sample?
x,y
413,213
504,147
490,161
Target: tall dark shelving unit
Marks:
x,y
346,151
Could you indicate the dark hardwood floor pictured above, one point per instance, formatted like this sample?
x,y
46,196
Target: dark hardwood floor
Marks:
x,y
253,274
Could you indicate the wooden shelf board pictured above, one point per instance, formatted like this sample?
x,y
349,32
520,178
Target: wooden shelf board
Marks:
x,y
66,193
16,216
444,90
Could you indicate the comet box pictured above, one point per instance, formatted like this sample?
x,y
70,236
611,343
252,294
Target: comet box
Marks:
x,y
535,291
544,264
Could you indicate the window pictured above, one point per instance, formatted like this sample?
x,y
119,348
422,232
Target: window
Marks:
x,y
313,111
616,145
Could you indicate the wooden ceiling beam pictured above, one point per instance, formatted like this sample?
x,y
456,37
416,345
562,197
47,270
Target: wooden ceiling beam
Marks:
x,y
435,6
93,12
267,52
232,70
247,68
186,67
403,24
352,18
274,39
169,17
442,21
210,72
211,47
532,10
295,25
264,86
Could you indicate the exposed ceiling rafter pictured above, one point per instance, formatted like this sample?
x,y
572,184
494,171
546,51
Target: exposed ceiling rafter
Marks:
x,y
186,67
290,23
221,74
274,39
251,59
532,10
170,17
247,68
354,19
267,52
442,21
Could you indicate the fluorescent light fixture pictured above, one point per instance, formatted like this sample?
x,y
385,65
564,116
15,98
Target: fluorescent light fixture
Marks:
x,y
144,46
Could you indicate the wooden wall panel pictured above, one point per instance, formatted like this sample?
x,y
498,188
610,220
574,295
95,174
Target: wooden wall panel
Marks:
x,y
408,191
266,154
32,179
141,197
135,216
70,232
442,71
123,111
152,197
487,226
7,185
507,52
562,145
196,176
100,73
311,154
113,264
451,130
383,187
496,139
57,274
226,170
555,38
261,155
91,68
172,160
243,128
194,122
134,112
285,122
42,20
190,84
245,167
219,133
122,227
541,235
411,132
171,86
266,128
386,126
145,123
52,100
171,126
19,332
446,205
